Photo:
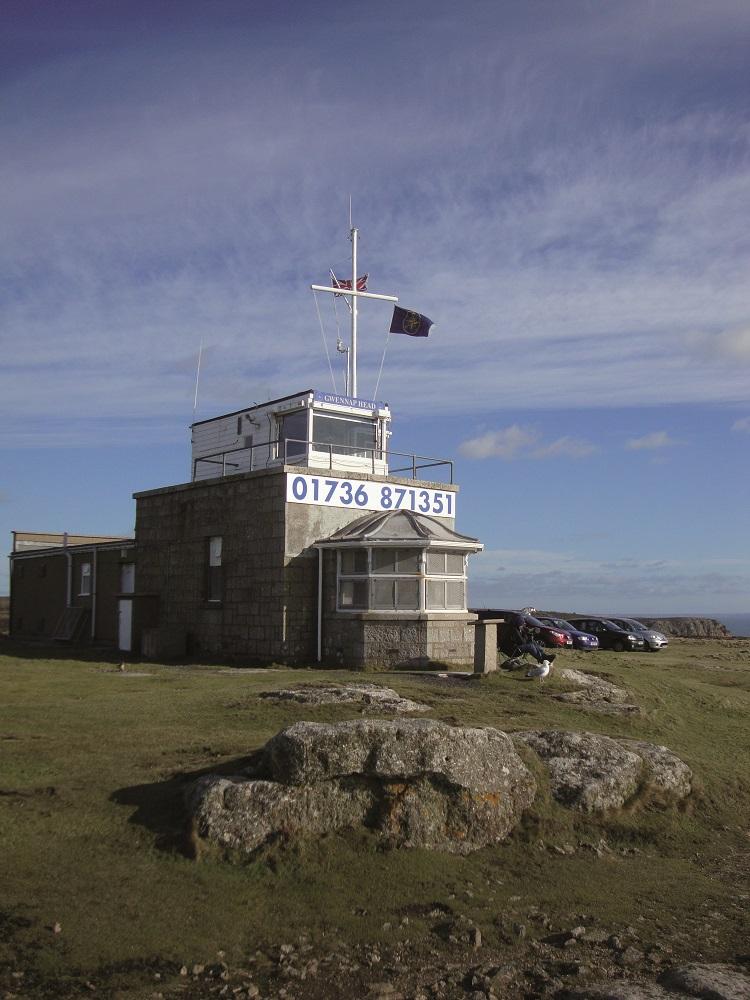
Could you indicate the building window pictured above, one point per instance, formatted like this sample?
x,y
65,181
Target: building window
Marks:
x,y
401,579
446,581
353,595
293,434
446,595
85,590
396,583
214,586
345,435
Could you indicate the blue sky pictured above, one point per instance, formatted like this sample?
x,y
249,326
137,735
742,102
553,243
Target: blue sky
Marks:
x,y
563,186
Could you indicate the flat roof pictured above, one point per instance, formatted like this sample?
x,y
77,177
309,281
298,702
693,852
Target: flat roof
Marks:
x,y
336,399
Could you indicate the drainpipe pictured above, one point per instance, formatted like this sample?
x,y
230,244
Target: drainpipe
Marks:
x,y
69,597
320,603
93,594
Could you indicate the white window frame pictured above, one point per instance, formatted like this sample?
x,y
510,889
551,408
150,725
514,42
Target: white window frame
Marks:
x,y
424,578
86,574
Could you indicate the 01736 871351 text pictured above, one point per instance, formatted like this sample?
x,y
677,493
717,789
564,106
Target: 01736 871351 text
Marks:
x,y
326,492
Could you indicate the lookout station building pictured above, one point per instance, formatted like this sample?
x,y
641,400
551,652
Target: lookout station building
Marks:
x,y
300,537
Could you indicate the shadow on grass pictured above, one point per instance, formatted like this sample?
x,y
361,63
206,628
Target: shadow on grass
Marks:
x,y
160,806
45,649
30,649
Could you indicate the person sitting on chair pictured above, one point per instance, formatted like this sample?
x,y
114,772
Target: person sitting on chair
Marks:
x,y
522,638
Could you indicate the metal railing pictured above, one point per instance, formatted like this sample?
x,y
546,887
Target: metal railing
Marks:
x,y
297,450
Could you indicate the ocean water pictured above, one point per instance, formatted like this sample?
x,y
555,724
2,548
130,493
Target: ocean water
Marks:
x,y
737,624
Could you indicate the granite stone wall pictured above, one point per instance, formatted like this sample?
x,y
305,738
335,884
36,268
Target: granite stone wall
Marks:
x,y
268,611
369,641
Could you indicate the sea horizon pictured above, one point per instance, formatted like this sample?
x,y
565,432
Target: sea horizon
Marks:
x,y
737,622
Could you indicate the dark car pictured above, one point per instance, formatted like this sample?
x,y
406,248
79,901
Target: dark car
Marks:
x,y
609,635
545,635
581,640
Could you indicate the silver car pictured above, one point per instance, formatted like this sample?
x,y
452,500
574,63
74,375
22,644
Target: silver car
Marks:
x,y
654,640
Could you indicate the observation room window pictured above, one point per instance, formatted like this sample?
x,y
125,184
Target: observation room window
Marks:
x,y
401,579
345,435
293,434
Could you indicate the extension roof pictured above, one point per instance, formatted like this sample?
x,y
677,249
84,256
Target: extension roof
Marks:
x,y
400,527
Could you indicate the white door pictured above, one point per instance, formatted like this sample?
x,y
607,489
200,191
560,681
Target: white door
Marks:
x,y
124,625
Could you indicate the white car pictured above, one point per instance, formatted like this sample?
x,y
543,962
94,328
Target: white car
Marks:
x,y
654,640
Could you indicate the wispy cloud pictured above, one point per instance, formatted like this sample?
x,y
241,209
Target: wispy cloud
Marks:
x,y
743,424
578,241
651,442
506,443
515,578
523,442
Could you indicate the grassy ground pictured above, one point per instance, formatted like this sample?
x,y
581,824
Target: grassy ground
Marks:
x,y
93,762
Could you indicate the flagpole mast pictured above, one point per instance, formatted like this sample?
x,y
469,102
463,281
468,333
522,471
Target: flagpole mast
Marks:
x,y
353,352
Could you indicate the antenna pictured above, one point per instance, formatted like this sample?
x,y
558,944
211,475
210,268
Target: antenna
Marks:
x,y
197,376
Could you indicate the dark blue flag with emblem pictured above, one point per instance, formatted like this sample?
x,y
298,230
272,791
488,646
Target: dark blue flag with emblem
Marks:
x,y
411,323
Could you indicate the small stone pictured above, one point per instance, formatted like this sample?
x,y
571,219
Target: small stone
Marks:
x,y
56,928
197,970
381,989
184,970
519,930
475,938
631,956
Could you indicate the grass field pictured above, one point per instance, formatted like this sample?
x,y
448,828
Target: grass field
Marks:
x,y
99,886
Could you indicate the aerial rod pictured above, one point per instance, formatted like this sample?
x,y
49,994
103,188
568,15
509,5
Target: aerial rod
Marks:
x,y
353,357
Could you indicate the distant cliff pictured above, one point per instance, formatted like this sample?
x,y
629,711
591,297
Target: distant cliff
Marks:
x,y
689,628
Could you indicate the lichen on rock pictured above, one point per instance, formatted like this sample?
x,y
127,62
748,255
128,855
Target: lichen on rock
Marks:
x,y
595,773
372,696
415,782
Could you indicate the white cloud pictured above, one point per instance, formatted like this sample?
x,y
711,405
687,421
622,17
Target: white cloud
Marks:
x,y
564,263
651,442
743,424
523,442
730,345
567,447
554,580
506,443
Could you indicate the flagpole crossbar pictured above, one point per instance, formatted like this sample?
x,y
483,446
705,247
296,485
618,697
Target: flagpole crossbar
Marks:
x,y
349,291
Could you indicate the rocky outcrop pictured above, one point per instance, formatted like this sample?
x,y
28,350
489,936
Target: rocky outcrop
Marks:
x,y
416,782
372,696
593,773
689,628
712,981
596,694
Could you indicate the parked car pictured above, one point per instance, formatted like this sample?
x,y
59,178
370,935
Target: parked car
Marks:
x,y
581,640
610,636
654,640
545,635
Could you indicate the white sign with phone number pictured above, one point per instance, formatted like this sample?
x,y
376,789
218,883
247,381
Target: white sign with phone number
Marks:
x,y
355,493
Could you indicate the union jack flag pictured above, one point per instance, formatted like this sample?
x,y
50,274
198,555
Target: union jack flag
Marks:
x,y
346,283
